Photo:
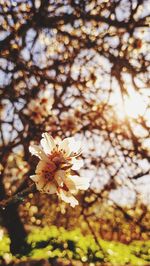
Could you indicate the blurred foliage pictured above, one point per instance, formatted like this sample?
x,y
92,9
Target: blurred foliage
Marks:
x,y
52,242
107,220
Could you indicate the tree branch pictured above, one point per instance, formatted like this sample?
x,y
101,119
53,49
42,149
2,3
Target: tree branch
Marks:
x,y
17,198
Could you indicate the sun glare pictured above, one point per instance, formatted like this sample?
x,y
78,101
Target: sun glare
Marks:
x,y
134,106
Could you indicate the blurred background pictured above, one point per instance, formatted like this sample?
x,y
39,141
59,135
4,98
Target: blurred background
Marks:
x,y
76,68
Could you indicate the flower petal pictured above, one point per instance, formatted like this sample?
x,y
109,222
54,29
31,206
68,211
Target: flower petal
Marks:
x,y
50,188
35,178
37,151
45,166
64,145
39,181
59,177
40,166
47,143
77,164
70,184
80,182
75,147
68,197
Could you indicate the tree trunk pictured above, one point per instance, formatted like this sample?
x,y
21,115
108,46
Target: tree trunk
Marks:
x,y
13,224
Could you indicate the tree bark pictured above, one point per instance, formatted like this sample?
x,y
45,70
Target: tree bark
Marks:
x,y
13,224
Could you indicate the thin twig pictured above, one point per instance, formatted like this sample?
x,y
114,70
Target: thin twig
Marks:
x,y
19,197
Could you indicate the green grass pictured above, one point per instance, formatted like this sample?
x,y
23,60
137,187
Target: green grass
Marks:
x,y
53,242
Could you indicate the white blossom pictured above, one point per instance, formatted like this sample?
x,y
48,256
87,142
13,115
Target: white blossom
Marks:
x,y
40,108
54,172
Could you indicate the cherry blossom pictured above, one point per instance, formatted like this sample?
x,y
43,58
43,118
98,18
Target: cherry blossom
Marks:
x,y
55,170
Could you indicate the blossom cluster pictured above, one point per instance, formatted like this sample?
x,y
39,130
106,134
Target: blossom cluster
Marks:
x,y
55,170
38,109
